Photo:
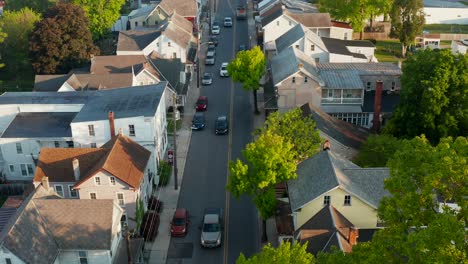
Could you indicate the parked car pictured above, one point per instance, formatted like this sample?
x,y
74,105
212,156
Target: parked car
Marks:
x,y
207,78
221,125
198,121
215,28
223,72
180,222
210,59
227,22
211,51
212,228
202,103
213,40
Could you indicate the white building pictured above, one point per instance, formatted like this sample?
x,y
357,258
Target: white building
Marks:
x,y
459,46
30,121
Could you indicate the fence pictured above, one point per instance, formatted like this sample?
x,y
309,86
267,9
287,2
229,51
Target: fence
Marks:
x,y
9,189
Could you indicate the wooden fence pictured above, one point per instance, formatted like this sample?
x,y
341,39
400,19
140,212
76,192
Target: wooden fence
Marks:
x,y
8,189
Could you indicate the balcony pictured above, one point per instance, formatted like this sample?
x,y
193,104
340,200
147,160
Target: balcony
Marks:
x,y
341,100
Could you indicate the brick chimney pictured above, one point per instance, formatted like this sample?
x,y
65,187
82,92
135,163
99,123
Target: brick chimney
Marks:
x,y
45,183
111,124
377,106
326,145
353,236
76,169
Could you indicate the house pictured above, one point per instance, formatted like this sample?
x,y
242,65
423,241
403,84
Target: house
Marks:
x,y
121,170
364,94
47,229
459,46
328,180
445,12
431,41
172,39
140,17
30,121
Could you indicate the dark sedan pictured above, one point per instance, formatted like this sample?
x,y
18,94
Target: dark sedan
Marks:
x,y
221,125
198,121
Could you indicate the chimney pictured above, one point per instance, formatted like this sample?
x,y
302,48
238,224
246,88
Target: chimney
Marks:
x,y
45,182
326,145
111,124
353,236
76,169
377,106
120,131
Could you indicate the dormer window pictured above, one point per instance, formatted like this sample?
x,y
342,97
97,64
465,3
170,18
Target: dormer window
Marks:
x,y
368,86
297,46
347,200
293,79
393,86
305,79
312,47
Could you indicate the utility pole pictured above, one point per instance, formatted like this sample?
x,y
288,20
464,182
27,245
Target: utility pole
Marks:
x,y
129,252
174,109
198,57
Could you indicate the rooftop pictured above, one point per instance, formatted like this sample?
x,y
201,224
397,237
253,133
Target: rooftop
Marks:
x,y
136,40
40,124
312,19
272,13
291,61
339,46
185,8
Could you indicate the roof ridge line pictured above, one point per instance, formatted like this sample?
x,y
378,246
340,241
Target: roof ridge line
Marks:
x,y
334,168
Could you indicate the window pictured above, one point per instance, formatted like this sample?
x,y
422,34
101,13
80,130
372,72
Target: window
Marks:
x,y
369,86
91,130
24,171
73,193
393,86
293,79
346,36
12,168
297,46
120,197
330,93
312,47
305,79
56,144
70,144
131,129
30,169
112,180
27,170
277,22
83,255
93,145
97,180
290,23
347,200
19,149
144,23
7,260
157,44
317,60
326,200
174,55
136,23
92,196
59,190
169,44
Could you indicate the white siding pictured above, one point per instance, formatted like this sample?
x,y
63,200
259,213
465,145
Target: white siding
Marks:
x,y
5,253
167,51
144,78
94,257
458,48
344,58
436,15
368,51
272,31
341,33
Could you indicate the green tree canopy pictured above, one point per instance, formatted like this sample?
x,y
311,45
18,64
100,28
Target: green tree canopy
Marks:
x,y
297,129
61,40
248,68
37,5
377,150
407,18
2,39
434,100
284,254
101,14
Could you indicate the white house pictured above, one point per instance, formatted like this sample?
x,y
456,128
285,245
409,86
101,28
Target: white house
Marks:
x,y
459,46
46,229
30,121
172,39
120,170
431,41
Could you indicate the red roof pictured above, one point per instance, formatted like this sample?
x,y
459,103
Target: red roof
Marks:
x,y
341,24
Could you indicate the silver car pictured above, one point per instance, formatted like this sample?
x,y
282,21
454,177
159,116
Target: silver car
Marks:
x,y
212,228
207,78
210,59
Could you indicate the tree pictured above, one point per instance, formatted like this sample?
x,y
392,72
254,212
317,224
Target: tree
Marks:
x,y
299,130
377,150
61,40
269,160
139,212
434,100
101,14
379,7
38,6
407,18
17,25
247,68
284,254
2,39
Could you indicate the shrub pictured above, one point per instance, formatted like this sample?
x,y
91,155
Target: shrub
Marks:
x,y
164,172
155,204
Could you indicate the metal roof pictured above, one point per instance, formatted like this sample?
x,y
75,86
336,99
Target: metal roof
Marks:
x,y
349,79
37,125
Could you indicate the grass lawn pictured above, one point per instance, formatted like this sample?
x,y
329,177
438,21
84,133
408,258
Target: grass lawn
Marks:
x,y
388,50
446,28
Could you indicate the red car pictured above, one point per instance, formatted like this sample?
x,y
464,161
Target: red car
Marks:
x,y
202,103
179,223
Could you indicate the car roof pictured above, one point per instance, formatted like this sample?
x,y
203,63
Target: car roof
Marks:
x,y
222,118
211,219
224,64
180,212
203,97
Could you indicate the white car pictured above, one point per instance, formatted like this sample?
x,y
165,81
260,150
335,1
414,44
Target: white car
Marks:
x,y
228,22
223,72
215,28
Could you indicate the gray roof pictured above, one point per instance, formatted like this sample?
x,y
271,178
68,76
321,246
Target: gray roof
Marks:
x,y
272,14
124,102
445,3
325,171
49,83
290,37
136,40
341,108
142,11
312,19
40,124
389,102
364,68
170,70
342,79
291,61
339,46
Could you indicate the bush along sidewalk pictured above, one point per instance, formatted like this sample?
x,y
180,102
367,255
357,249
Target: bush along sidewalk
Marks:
x,y
164,172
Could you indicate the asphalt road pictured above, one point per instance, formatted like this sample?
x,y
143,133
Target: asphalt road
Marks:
x,y
205,174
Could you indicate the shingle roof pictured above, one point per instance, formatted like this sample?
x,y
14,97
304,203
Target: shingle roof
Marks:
x,y
291,61
120,64
289,38
122,157
185,8
311,19
136,40
342,79
49,83
169,69
339,46
40,124
325,171
272,14
363,68
179,30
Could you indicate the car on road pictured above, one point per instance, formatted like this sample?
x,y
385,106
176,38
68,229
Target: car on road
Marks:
x,y
242,47
215,28
198,121
213,40
223,72
202,103
211,50
227,22
210,59
180,222
212,228
221,125
207,78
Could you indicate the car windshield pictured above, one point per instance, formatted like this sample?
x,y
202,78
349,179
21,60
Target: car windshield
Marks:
x,y
206,76
200,102
209,56
221,124
211,228
223,68
178,221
